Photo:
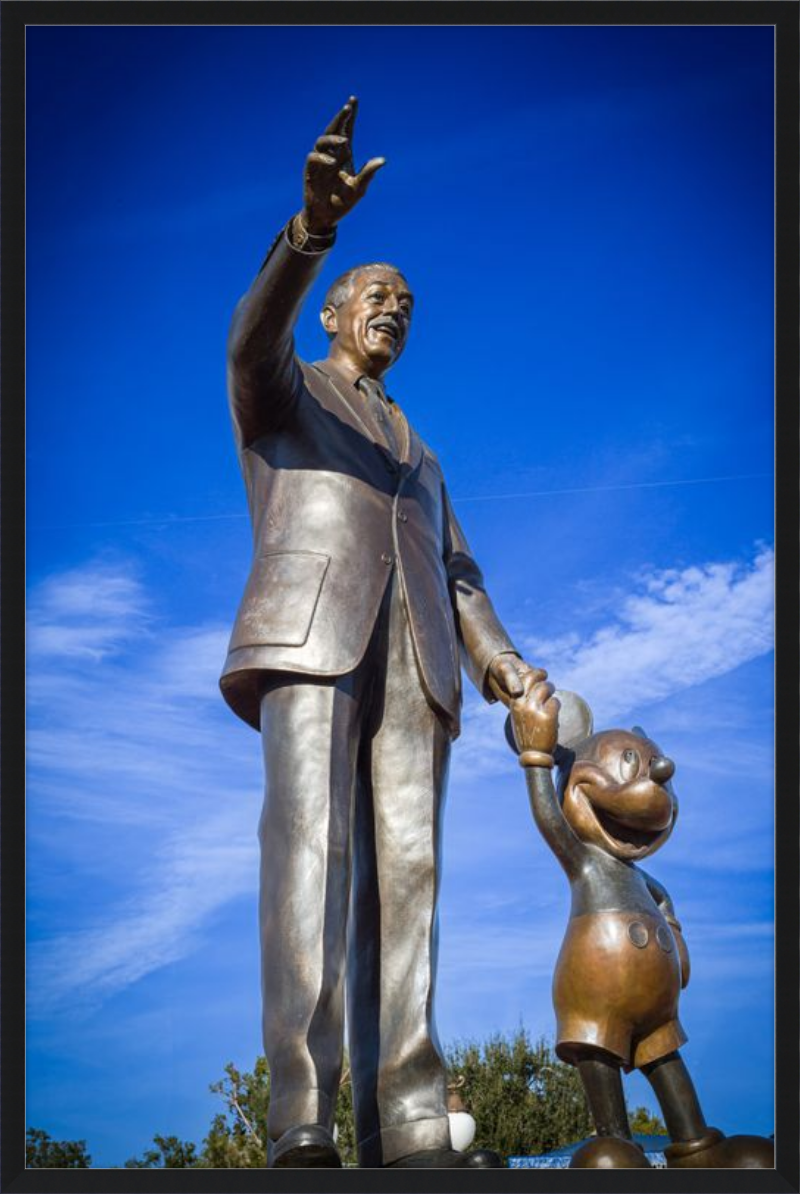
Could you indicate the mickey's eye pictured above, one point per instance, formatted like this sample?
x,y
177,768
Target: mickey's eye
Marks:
x,y
629,764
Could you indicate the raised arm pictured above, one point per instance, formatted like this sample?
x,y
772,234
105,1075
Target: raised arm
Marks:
x,y
534,719
489,657
264,377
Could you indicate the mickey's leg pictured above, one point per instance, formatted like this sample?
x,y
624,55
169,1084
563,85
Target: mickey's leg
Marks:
x,y
677,1097
694,1144
613,1147
602,1082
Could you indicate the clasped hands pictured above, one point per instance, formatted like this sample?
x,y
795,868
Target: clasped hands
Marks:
x,y
534,708
509,677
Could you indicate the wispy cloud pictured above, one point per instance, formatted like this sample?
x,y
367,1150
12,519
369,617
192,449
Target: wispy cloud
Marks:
x,y
86,614
138,776
173,897
141,778
676,629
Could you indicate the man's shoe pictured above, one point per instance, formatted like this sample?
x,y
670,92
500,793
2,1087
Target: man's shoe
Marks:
x,y
448,1158
308,1146
483,1158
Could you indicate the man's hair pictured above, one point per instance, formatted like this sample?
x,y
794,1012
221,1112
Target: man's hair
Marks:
x,y
340,290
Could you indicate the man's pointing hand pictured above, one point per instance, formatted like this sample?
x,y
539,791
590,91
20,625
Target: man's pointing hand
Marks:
x,y
331,185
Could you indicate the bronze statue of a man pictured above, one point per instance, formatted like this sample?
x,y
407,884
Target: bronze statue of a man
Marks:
x,y
345,654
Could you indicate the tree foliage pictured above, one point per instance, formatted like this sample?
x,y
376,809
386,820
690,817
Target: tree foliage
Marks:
x,y
523,1099
237,1136
169,1153
41,1152
646,1123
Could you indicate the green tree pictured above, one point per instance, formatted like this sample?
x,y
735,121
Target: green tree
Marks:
x,y
237,1136
169,1153
346,1122
644,1121
523,1099
41,1152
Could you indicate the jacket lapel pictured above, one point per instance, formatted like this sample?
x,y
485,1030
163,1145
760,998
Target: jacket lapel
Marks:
x,y
344,391
413,448
341,390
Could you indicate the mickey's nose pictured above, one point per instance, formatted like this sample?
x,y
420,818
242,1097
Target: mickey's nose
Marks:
x,y
661,769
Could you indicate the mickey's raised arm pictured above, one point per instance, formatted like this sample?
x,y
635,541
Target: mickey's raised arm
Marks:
x,y
534,718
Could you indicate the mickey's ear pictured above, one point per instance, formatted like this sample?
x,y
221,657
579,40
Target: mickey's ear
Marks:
x,y
510,739
640,732
575,721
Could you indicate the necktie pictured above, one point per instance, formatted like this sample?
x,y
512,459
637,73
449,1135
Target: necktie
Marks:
x,y
379,409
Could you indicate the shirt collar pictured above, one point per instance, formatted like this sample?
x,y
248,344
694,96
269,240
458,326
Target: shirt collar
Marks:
x,y
351,374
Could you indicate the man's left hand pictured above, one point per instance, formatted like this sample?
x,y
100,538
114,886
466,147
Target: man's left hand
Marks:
x,y
507,674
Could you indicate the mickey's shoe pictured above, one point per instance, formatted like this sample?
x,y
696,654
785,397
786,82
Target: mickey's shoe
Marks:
x,y
715,1151
609,1152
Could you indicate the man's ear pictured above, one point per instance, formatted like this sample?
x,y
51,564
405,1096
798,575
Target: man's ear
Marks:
x,y
329,321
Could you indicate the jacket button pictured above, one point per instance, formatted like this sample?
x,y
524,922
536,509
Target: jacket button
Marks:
x,y
402,516
387,558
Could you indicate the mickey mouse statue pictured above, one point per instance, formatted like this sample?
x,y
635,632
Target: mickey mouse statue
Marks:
x,y
623,960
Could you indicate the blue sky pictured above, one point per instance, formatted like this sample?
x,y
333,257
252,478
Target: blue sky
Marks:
x,y
586,218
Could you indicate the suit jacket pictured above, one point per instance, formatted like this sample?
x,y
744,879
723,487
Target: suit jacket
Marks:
x,y
333,512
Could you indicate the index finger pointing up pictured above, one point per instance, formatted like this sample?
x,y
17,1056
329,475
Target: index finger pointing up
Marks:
x,y
343,121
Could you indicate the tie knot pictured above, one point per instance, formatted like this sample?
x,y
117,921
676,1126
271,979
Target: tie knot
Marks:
x,y
372,388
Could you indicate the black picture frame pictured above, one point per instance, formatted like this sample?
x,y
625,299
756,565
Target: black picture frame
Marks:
x,y
15,15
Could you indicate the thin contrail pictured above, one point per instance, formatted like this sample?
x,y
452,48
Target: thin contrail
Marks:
x,y
491,497
168,519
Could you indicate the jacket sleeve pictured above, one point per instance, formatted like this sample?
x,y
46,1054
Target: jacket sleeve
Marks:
x,y
480,632
264,377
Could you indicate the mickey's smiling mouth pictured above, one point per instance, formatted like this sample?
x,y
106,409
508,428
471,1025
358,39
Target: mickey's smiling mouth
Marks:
x,y
627,820
626,834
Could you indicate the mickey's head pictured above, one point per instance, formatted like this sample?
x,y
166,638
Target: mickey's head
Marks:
x,y
616,793
614,786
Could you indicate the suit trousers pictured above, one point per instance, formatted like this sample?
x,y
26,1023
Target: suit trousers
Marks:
x,y
350,833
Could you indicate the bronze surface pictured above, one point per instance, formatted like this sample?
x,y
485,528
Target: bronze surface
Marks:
x,y
616,989
363,601
623,961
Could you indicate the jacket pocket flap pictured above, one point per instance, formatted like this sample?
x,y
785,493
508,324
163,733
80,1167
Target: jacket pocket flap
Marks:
x,y
280,599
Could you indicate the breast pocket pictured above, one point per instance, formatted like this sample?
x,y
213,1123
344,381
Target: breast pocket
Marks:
x,y
280,599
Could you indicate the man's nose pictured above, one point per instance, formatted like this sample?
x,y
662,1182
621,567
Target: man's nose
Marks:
x,y
661,769
391,305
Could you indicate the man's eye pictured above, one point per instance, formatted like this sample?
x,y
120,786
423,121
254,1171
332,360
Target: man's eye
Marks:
x,y
406,309
375,298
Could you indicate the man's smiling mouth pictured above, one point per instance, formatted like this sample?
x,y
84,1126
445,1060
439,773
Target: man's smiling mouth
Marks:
x,y
387,326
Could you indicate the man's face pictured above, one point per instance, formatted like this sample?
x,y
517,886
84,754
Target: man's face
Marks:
x,y
371,326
